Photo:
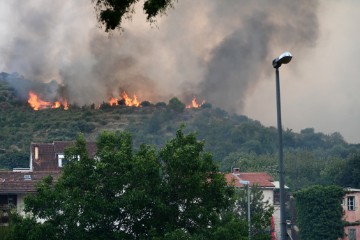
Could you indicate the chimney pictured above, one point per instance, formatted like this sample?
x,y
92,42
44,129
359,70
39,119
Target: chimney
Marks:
x,y
36,152
235,170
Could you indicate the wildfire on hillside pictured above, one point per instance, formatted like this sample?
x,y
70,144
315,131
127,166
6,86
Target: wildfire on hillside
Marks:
x,y
113,101
37,103
130,101
125,100
194,104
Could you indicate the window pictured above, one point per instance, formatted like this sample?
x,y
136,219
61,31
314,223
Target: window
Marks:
x,y
61,160
351,203
276,197
352,233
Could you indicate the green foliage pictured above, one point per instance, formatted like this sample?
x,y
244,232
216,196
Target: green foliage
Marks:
x,y
320,212
28,228
6,233
110,13
176,105
349,174
160,104
302,168
145,104
260,211
174,193
14,159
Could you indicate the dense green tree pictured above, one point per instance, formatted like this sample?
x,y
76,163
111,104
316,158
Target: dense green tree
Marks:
x,y
320,212
260,211
302,168
349,174
175,193
176,105
111,13
14,159
332,172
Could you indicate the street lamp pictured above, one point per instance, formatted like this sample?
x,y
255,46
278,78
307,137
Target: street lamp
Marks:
x,y
277,62
248,204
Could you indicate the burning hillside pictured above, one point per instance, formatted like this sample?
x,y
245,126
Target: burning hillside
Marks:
x,y
52,95
37,103
195,104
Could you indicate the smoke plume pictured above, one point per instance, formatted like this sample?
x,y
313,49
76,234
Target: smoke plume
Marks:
x,y
214,50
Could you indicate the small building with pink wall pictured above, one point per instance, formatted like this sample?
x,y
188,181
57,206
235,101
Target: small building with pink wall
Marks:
x,y
351,206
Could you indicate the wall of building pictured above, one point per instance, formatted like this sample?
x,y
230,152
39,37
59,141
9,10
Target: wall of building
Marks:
x,y
268,195
352,214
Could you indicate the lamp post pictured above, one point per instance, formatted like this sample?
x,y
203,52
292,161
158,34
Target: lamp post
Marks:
x,y
277,62
248,204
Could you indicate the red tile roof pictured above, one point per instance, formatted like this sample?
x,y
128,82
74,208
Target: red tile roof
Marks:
x,y
262,179
15,182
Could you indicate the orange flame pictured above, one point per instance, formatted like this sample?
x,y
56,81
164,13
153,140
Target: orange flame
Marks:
x,y
65,104
36,103
129,101
194,104
56,104
113,101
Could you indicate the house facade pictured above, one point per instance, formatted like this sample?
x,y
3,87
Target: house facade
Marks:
x,y
351,203
45,159
268,186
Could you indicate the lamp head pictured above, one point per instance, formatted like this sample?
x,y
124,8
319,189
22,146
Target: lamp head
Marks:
x,y
282,59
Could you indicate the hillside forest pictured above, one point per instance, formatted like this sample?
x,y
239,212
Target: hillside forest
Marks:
x,y
234,140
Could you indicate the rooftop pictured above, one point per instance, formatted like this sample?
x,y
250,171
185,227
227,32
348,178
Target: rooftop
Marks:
x,y
261,179
23,182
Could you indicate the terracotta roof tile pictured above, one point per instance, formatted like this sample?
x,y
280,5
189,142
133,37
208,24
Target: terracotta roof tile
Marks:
x,y
262,179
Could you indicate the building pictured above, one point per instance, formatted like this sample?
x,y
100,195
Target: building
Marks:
x,y
45,159
351,203
268,186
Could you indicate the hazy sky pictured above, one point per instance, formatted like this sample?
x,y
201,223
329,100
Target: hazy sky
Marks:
x,y
322,90
218,51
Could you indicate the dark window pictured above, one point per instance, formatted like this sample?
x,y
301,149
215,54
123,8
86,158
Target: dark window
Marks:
x,y
352,234
6,203
351,203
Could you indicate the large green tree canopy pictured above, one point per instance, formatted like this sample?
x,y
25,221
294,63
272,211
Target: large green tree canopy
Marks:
x,y
320,212
122,193
111,12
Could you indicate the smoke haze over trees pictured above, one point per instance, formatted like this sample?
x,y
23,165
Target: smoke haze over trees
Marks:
x,y
219,52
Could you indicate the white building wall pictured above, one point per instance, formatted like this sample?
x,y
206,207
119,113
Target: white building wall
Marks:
x,y
268,195
20,203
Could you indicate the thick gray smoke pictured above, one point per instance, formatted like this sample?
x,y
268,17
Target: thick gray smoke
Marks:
x,y
214,50
243,58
